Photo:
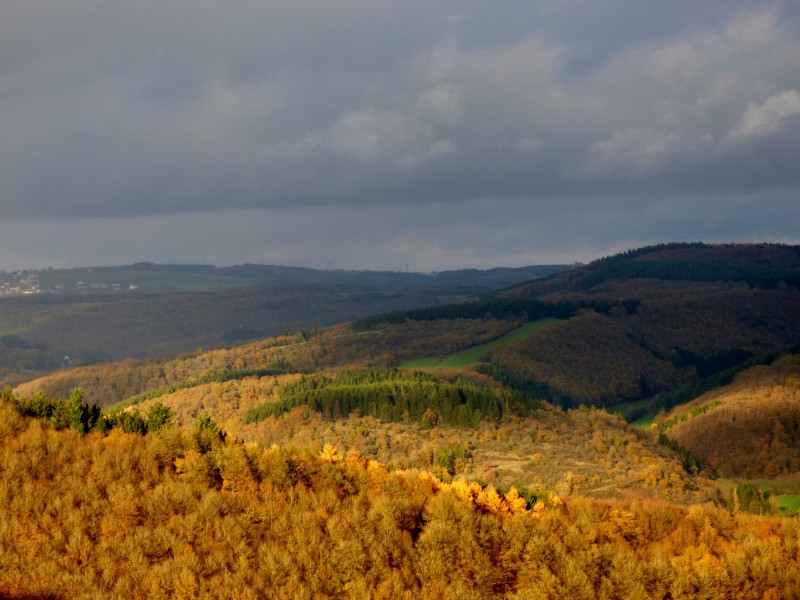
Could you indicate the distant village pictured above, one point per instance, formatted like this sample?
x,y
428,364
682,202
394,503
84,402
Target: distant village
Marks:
x,y
22,283
27,283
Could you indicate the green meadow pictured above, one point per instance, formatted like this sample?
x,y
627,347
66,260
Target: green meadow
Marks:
x,y
638,413
789,503
464,358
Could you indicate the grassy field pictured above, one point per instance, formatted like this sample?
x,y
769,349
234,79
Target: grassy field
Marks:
x,y
638,413
461,360
644,422
784,490
789,503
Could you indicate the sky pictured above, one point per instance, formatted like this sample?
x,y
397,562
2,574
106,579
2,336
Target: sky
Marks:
x,y
379,134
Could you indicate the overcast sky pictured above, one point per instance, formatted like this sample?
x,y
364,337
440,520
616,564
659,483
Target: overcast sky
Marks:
x,y
375,133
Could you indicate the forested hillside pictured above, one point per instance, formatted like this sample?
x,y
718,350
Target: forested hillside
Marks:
x,y
78,316
311,464
620,341
605,359
750,428
178,513
766,266
107,383
578,452
699,310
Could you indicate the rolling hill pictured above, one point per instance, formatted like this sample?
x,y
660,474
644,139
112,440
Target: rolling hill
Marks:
x,y
187,513
541,447
77,316
699,309
314,463
622,340
749,428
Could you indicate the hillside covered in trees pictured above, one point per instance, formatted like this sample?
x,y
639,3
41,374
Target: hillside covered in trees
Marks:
x,y
699,309
180,513
766,266
81,316
315,464
301,352
622,339
749,428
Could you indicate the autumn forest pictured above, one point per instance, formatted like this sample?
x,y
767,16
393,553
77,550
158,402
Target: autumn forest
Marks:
x,y
623,429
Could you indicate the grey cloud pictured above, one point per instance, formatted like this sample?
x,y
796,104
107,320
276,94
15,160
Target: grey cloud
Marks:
x,y
113,110
768,118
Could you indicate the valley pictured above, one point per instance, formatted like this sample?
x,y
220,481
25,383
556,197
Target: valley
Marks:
x,y
83,316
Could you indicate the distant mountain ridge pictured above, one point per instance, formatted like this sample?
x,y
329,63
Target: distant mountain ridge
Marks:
x,y
146,277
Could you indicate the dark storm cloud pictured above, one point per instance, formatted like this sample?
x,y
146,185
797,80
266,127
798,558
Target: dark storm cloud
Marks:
x,y
480,234
110,110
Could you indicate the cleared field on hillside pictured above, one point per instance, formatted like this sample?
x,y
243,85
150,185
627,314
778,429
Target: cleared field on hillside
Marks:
x,y
461,360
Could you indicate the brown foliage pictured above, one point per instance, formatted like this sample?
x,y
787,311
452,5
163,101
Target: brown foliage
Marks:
x,y
751,427
107,383
585,452
123,516
607,359
590,357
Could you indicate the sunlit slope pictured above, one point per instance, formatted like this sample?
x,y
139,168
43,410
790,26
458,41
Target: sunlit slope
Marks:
x,y
750,428
107,383
576,453
167,515
581,452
